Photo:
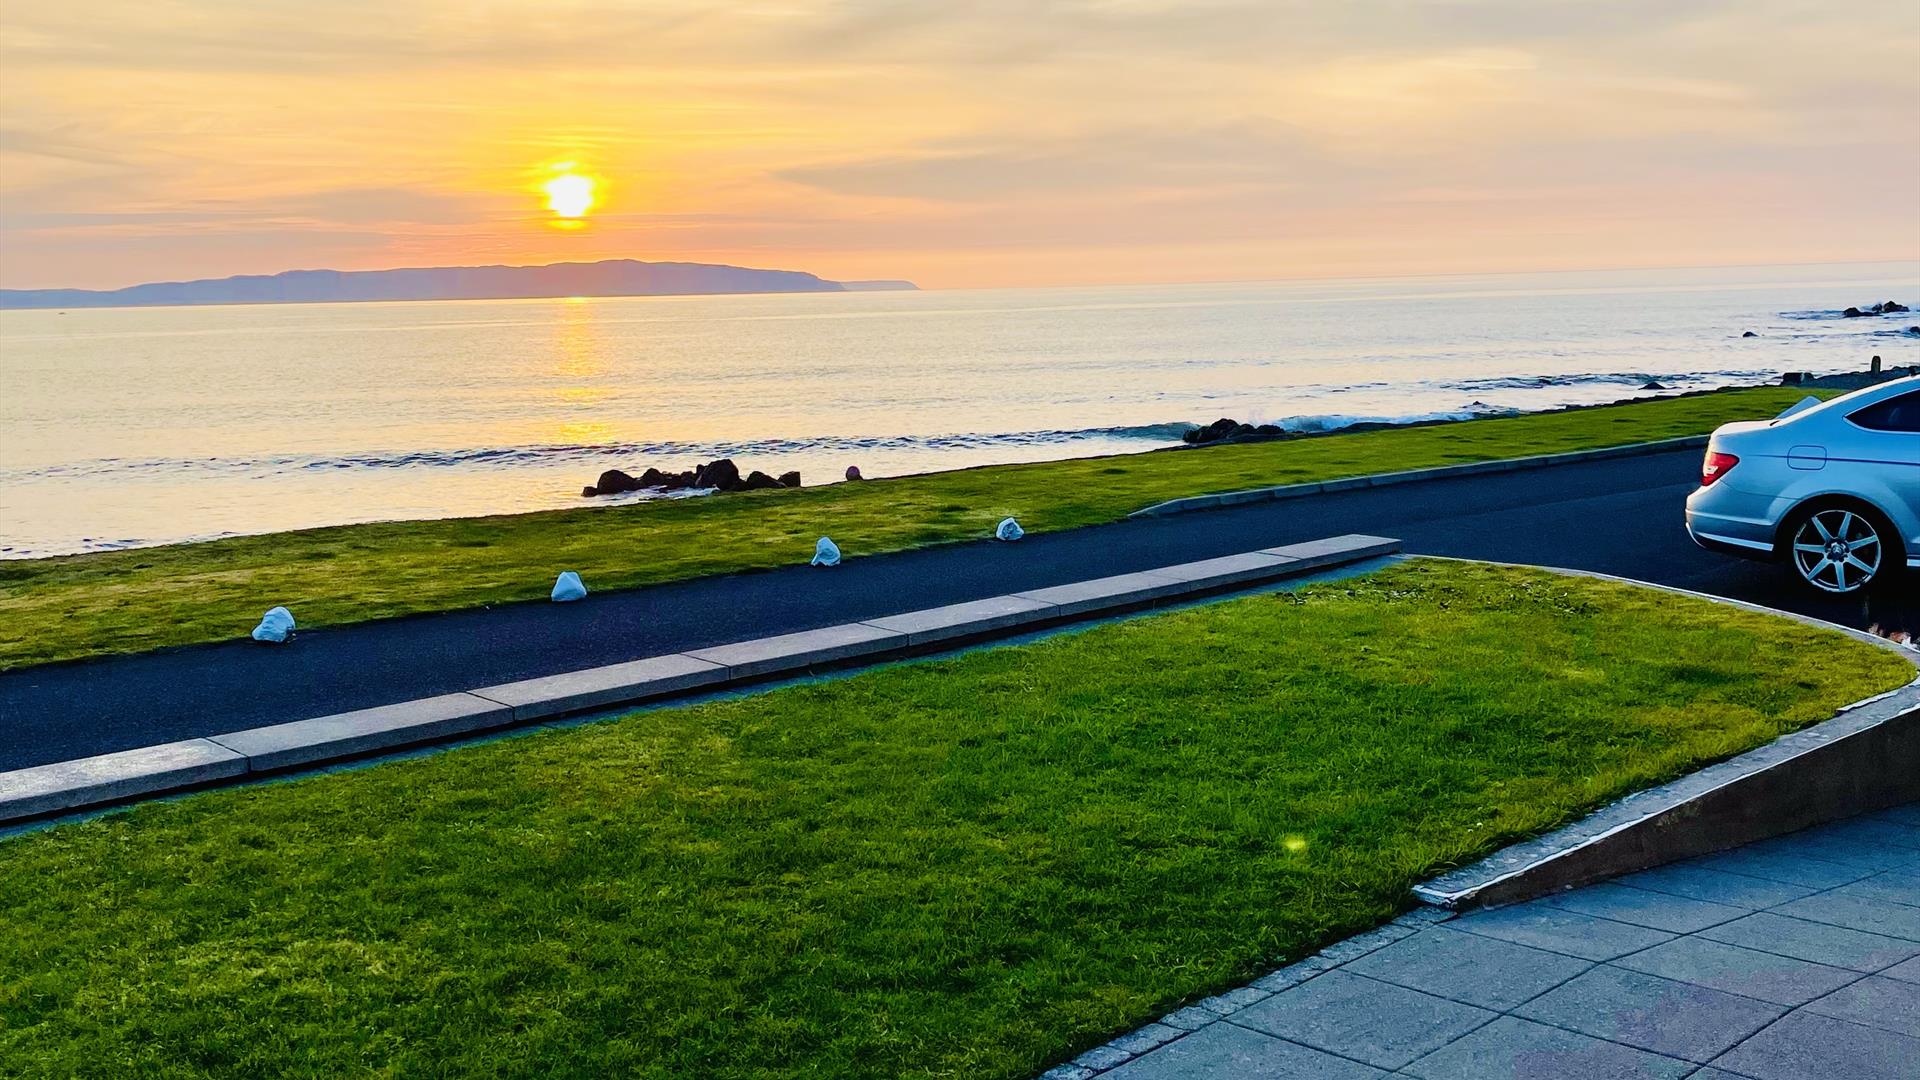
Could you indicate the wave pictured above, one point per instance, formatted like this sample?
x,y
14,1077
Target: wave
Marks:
x,y
1634,379
1338,421
560,453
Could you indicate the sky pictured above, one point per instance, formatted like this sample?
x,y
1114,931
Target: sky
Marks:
x,y
961,143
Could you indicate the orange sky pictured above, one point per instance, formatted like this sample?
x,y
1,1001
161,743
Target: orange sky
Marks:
x,y
957,144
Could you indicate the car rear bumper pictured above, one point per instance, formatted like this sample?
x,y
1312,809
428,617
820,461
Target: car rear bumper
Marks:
x,y
1722,519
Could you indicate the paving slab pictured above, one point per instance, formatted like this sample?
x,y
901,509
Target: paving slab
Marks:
x,y
1514,1049
1908,970
1120,590
1554,929
1855,912
1807,1046
964,620
1789,869
1893,886
1716,886
1841,849
1243,569
88,781
1764,976
1468,968
1222,1051
1818,942
614,684
280,746
1676,1019
1875,1001
1363,1019
1333,549
1641,907
797,652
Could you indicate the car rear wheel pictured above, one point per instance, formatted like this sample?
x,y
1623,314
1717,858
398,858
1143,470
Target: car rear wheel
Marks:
x,y
1839,550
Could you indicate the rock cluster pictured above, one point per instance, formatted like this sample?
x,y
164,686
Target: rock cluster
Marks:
x,y
1225,428
1888,308
722,475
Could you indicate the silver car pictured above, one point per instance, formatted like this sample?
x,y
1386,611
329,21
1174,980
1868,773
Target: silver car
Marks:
x,y
1832,489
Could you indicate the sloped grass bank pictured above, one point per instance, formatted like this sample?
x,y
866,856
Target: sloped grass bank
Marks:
x,y
972,867
129,601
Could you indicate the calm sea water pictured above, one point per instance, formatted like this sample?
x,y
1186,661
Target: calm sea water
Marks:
x,y
143,426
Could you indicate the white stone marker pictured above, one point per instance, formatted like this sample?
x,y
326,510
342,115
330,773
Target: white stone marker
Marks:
x,y
826,553
276,627
1009,529
568,586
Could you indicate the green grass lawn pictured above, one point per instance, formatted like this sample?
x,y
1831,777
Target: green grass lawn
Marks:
x,y
971,867
129,601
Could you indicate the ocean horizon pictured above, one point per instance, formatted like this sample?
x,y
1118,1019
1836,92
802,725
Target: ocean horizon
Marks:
x,y
136,426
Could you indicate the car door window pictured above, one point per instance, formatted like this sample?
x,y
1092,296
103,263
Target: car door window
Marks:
x,y
1894,414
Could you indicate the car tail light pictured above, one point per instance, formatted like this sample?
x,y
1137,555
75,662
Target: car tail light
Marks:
x,y
1716,466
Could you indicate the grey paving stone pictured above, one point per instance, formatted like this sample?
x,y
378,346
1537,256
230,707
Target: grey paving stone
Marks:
x,y
572,691
1483,971
1904,815
1425,915
1103,1057
1146,1038
1865,832
1699,883
1876,1001
1818,942
64,785
1893,886
1067,1072
1792,870
1837,847
1660,911
1235,1000
1544,926
1103,593
1676,1019
1807,1046
960,620
794,652
1191,1018
1363,1019
1349,547
324,738
1782,980
1715,1074
1360,945
1293,974
1229,569
1857,913
1908,970
1514,1049
1229,1052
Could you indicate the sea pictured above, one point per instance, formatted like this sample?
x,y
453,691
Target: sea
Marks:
x,y
138,426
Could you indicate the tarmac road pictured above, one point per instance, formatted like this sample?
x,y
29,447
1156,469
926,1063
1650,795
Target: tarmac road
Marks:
x,y
1620,516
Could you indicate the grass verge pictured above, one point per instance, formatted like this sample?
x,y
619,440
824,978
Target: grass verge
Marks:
x,y
129,601
971,867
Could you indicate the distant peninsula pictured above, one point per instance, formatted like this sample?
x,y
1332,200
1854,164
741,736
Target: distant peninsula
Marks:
x,y
613,277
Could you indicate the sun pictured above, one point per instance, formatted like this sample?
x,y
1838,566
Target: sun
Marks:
x,y
570,194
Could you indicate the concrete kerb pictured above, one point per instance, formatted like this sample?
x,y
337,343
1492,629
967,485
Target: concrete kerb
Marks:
x,y
112,778
1865,758
1440,472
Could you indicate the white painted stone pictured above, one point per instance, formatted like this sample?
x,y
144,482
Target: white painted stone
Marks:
x,y
961,620
1008,529
614,684
325,738
275,628
826,553
65,785
796,652
568,586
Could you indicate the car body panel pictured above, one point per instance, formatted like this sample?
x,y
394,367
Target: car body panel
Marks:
x,y
1793,460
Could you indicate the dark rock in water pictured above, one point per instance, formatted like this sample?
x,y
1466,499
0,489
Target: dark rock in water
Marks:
x,y
1213,432
1852,313
612,482
1749,334
1269,429
759,481
723,475
1891,308
853,473
1653,384
1913,329
789,479
1792,378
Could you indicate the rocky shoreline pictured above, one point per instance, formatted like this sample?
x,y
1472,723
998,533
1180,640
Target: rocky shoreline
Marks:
x,y
721,475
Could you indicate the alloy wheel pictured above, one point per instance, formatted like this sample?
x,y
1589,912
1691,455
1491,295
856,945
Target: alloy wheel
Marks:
x,y
1837,551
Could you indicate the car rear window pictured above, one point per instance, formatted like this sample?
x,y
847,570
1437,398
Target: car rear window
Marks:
x,y
1894,414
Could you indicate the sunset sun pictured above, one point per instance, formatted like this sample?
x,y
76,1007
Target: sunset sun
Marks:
x,y
570,194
